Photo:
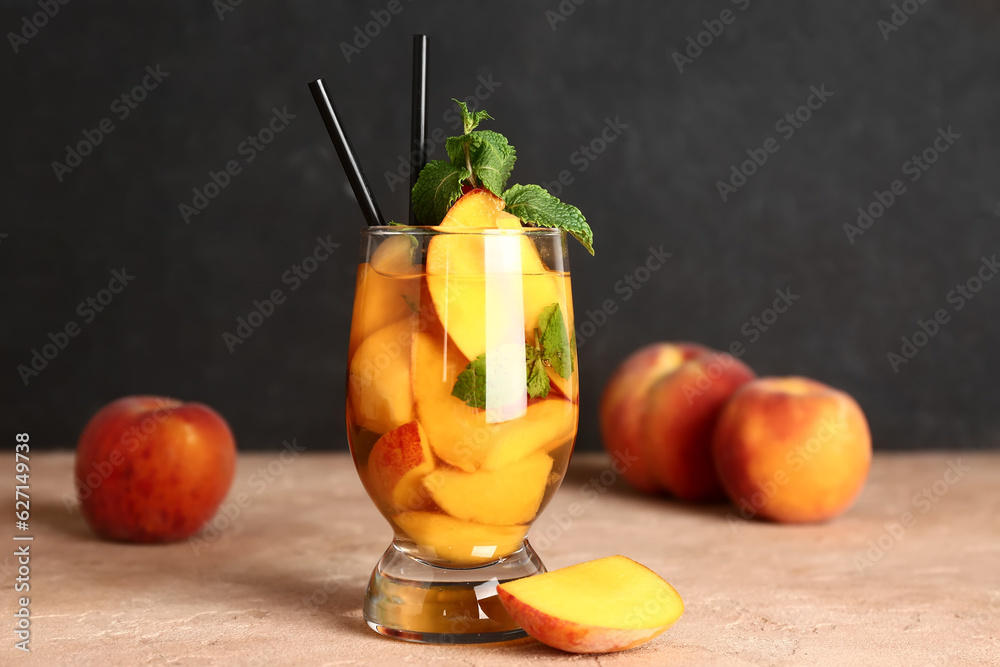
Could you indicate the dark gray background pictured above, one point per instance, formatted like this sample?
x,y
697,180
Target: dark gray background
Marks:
x,y
654,185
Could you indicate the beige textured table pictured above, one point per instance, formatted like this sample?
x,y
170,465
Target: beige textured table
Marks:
x,y
283,582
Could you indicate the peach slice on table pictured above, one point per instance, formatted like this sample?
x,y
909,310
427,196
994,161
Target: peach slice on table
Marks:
x,y
459,542
605,605
388,288
397,465
379,387
461,435
508,496
471,276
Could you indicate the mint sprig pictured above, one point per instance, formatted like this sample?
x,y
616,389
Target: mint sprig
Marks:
x,y
483,158
486,155
552,348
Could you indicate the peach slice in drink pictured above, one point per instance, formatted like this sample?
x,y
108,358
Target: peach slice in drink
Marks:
x,y
460,542
461,435
388,288
397,465
507,496
379,386
470,276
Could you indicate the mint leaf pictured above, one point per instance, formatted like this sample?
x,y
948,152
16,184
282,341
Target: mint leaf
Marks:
x,y
437,188
492,160
553,350
487,155
470,120
554,340
538,379
535,206
471,383
456,149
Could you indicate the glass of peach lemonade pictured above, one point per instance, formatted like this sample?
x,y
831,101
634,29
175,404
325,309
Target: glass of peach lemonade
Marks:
x,y
462,409
463,391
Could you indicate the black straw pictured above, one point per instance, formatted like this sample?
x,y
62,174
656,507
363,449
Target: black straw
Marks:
x,y
418,117
348,158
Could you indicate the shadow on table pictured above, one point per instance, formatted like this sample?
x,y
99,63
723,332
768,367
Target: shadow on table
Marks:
x,y
336,600
63,517
595,477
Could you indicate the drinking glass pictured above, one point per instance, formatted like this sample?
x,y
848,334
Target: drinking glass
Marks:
x,y
462,408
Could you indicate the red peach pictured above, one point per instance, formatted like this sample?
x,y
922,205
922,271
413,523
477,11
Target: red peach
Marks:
x,y
153,469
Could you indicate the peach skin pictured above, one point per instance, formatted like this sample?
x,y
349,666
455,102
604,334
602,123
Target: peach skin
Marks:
x,y
605,605
623,406
682,409
792,450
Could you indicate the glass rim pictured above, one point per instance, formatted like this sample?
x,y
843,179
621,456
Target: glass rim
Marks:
x,y
425,230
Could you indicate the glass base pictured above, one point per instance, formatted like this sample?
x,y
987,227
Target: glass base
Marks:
x,y
415,601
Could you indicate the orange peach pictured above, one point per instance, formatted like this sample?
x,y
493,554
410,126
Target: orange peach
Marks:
x,y
605,605
792,450
623,406
153,469
682,408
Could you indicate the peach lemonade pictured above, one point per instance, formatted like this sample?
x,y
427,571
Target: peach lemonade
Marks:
x,y
462,395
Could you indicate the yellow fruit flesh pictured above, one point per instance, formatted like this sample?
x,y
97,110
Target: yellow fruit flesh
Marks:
x,y
460,435
379,385
470,277
459,542
545,426
386,288
502,497
614,592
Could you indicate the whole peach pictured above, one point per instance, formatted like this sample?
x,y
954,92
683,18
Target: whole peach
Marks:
x,y
153,469
623,407
681,410
792,450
